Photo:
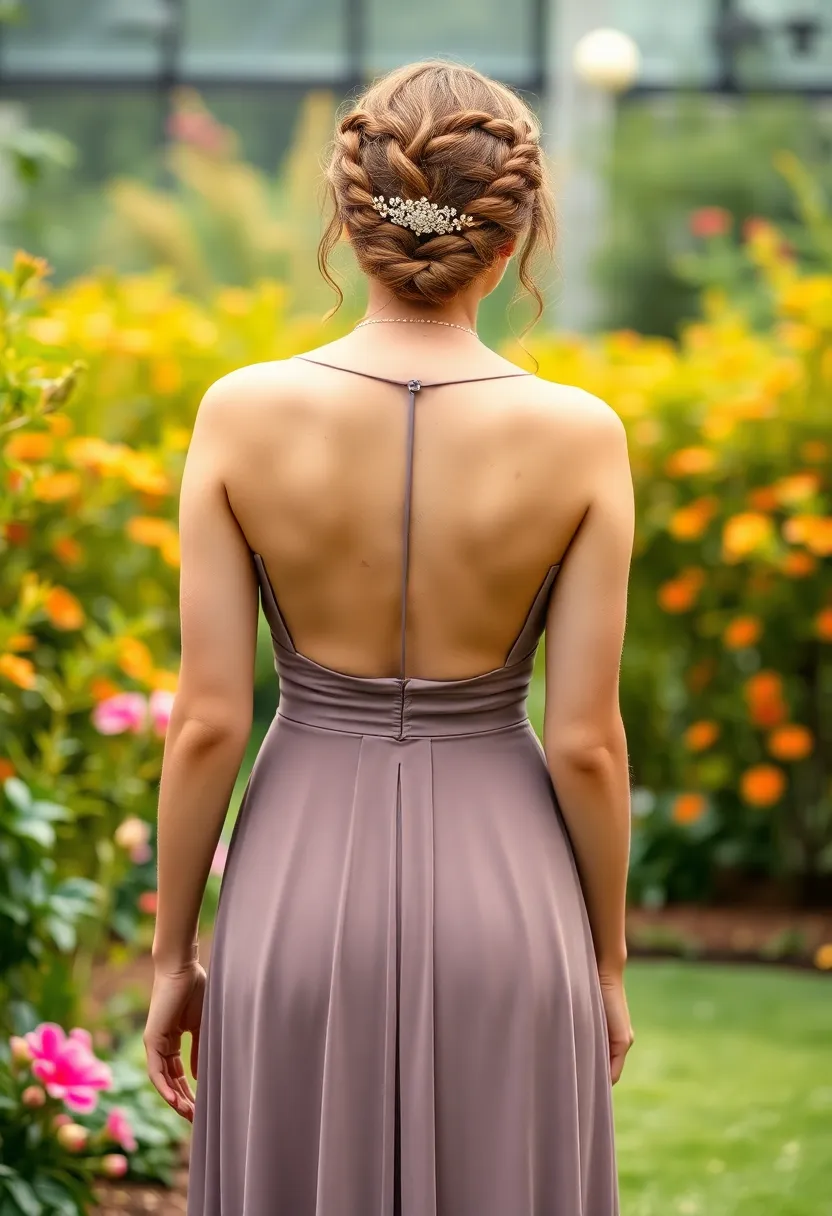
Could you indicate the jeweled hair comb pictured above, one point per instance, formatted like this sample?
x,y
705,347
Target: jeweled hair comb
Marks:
x,y
421,215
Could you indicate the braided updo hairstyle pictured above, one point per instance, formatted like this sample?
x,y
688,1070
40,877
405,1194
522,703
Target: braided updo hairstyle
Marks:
x,y
460,139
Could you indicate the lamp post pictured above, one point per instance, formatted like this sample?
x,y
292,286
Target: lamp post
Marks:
x,y
592,64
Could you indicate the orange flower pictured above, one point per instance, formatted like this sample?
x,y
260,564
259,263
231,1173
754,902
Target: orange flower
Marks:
x,y
147,902
823,624
701,735
823,957
101,688
7,769
15,480
165,681
791,742
19,671
688,523
813,531
21,641
762,785
791,490
59,424
688,462
53,487
676,596
763,498
687,808
135,659
745,533
166,376
799,564
32,445
91,452
63,609
149,529
742,631
764,693
142,472
67,550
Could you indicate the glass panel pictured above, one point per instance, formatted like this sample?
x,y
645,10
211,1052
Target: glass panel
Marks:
x,y
480,32
289,39
675,40
778,59
77,37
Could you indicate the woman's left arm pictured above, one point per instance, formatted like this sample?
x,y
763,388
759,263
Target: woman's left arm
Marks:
x,y
207,734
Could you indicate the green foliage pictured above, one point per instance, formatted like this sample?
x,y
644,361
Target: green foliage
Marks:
x,y
677,156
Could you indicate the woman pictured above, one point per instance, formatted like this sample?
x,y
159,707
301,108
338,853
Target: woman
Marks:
x,y
415,997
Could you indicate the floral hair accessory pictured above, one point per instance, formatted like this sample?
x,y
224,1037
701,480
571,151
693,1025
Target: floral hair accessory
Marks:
x,y
420,215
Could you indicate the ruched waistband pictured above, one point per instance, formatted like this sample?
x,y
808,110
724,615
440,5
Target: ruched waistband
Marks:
x,y
401,709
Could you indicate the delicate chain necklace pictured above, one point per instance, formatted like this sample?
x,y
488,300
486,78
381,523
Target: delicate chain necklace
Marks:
x,y
414,321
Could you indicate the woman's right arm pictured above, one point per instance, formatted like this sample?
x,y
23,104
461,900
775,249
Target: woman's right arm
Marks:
x,y
583,733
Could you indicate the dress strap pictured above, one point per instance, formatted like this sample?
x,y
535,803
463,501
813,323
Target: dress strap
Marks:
x,y
336,367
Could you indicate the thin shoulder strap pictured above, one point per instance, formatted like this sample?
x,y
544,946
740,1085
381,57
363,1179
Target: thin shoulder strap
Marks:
x,y
413,387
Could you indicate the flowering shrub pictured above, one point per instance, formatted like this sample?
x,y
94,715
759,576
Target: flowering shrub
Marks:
x,y
68,1118
727,676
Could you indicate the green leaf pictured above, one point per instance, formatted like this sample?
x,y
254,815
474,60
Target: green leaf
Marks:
x,y
50,811
13,911
35,829
18,794
23,1195
62,933
56,1195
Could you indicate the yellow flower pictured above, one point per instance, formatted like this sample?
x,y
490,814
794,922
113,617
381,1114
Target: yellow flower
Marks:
x,y
19,671
164,681
170,550
63,609
21,641
142,472
90,452
745,533
135,659
54,487
149,529
743,631
51,331
823,957
699,736
762,785
796,488
813,531
29,445
166,376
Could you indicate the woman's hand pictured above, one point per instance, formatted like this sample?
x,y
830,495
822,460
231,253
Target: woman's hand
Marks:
x,y
175,1007
618,1020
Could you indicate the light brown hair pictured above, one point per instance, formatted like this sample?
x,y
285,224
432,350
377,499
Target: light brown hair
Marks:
x,y
449,133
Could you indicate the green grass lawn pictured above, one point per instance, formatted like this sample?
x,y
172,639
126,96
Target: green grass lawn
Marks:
x,y
725,1105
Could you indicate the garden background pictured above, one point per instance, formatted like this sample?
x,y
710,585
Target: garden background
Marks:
x,y
154,238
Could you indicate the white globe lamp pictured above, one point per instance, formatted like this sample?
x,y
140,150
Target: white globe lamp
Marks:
x,y
608,59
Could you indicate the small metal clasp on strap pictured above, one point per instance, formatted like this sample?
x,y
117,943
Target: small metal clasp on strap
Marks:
x,y
414,385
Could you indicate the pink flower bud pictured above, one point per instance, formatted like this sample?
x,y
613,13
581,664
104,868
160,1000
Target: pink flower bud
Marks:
x,y
147,902
114,1165
73,1137
61,1120
118,1128
160,705
33,1096
21,1052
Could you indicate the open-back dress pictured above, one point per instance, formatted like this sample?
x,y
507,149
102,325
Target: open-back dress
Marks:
x,y
403,1015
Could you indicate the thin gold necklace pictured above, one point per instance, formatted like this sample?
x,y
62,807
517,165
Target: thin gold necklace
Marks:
x,y
414,321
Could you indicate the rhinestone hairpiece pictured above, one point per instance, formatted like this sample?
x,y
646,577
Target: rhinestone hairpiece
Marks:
x,y
420,215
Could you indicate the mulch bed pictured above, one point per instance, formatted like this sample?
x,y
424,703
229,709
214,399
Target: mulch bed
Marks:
x,y
735,935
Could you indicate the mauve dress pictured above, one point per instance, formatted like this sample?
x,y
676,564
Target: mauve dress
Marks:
x,y
403,1015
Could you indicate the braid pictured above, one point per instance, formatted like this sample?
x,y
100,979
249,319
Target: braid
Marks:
x,y
425,131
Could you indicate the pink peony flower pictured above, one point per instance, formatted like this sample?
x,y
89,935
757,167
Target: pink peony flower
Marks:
x,y
33,1095
141,854
118,1128
72,1136
161,704
67,1066
220,854
113,1165
117,714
